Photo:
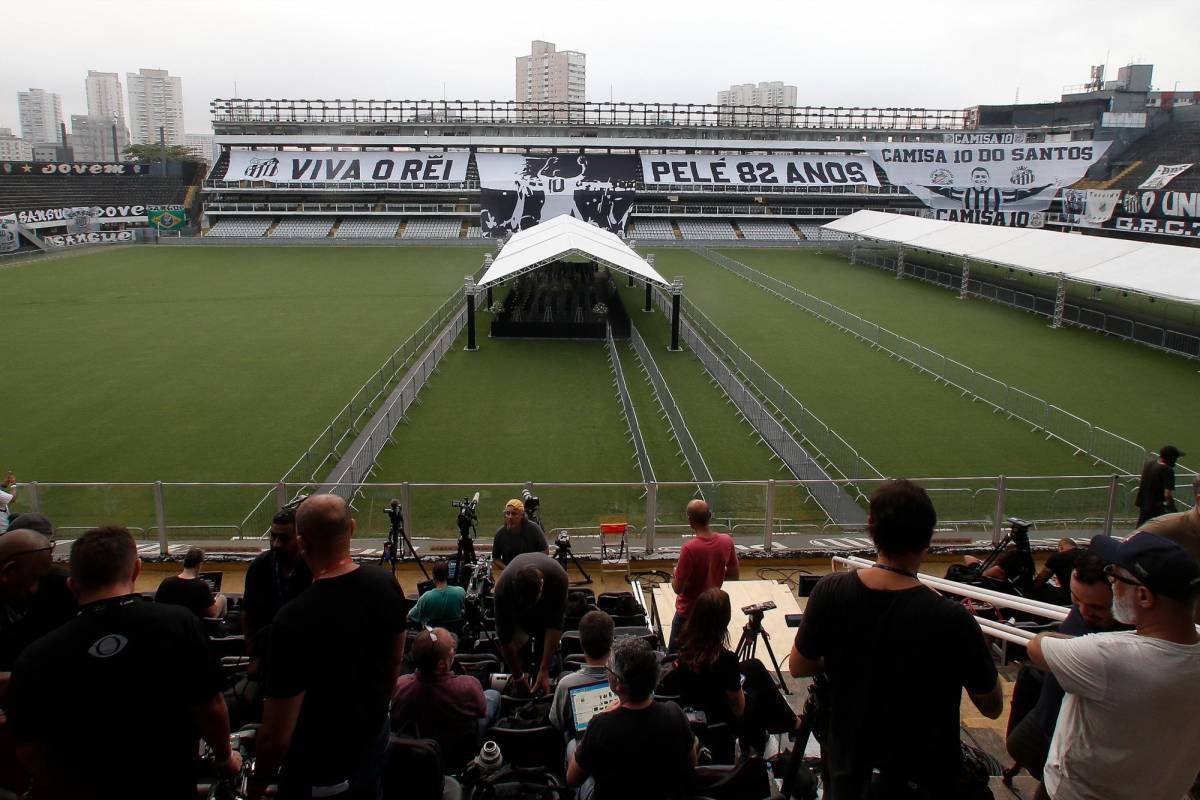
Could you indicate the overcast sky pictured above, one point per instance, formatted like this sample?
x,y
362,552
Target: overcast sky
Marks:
x,y
921,53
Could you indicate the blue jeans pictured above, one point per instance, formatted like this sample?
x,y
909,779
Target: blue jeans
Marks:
x,y
493,713
676,628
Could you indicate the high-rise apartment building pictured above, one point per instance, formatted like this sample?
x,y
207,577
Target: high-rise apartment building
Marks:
x,y
13,147
97,138
550,75
750,104
41,116
155,101
203,146
104,95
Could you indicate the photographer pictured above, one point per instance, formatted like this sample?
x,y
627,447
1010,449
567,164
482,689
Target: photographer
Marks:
x,y
516,536
531,603
898,656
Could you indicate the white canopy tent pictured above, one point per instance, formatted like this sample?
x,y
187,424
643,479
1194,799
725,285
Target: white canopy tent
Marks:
x,y
563,237
1158,270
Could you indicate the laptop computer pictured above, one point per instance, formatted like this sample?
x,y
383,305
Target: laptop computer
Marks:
x,y
213,579
587,701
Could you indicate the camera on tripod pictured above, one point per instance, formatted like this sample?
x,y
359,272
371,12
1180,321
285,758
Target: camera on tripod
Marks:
x,y
758,609
395,513
532,506
563,541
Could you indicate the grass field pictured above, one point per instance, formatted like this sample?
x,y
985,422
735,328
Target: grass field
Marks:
x,y
197,364
1145,395
221,364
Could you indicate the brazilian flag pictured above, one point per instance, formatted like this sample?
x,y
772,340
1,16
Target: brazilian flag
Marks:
x,y
166,218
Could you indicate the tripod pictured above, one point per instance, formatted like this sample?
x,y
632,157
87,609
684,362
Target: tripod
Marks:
x,y
563,555
393,549
748,645
466,546
797,780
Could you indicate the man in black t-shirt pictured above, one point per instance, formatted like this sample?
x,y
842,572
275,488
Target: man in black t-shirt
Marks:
x,y
189,590
531,603
517,535
334,658
113,703
273,578
640,748
1156,489
1059,566
898,656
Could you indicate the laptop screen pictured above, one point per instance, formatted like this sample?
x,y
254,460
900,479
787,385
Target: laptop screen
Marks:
x,y
589,700
213,579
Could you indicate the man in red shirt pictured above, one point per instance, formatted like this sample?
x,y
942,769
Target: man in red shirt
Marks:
x,y
705,562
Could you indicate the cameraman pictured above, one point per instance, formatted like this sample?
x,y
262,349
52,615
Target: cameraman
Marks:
x,y
898,656
531,603
517,535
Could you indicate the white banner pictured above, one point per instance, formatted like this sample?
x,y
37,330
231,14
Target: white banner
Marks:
x,y
1099,205
9,239
767,171
81,219
1007,219
279,166
76,239
53,214
1011,177
1163,175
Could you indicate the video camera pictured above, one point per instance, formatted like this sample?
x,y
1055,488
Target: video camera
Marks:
x,y
395,513
532,506
563,540
466,514
758,609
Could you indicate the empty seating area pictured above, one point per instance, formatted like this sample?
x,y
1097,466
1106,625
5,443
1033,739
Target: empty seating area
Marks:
x,y
240,227
706,229
818,234
29,192
767,230
653,229
475,232
368,228
431,228
303,228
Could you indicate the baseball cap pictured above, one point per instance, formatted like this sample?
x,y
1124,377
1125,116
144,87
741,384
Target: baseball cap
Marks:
x,y
1170,453
515,503
1162,565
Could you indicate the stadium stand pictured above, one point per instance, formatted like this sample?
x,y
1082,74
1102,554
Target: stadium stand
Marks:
x,y
817,233
475,232
303,228
706,229
25,192
368,228
240,227
653,229
769,230
436,228
1175,142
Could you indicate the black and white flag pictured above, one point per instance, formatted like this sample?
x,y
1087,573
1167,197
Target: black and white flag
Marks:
x,y
517,192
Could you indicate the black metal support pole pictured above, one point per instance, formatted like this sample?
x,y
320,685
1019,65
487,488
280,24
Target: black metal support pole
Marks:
x,y
675,298
489,297
471,321
630,281
649,306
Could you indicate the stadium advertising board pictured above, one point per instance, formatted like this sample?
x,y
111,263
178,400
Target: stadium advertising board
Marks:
x,y
66,214
1015,177
77,239
10,240
166,218
1166,213
517,192
1163,174
1005,219
285,166
71,168
738,170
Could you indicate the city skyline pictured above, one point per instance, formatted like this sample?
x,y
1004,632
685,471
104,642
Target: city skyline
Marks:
x,y
884,55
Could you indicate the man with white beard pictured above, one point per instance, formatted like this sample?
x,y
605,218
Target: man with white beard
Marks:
x,y
1130,725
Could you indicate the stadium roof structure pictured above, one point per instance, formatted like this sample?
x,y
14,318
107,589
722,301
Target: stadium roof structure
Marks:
x,y
1159,270
565,236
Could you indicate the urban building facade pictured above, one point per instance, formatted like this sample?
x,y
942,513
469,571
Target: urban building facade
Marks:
x,y
203,146
13,147
95,138
155,101
41,116
550,75
750,104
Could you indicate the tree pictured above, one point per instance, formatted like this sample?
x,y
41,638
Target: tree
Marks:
x,y
148,153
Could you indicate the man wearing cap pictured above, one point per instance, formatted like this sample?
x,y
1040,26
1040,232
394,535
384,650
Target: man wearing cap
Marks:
x,y
1156,489
517,535
1130,724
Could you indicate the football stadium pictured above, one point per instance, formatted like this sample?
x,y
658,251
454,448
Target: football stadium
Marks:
x,y
611,310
